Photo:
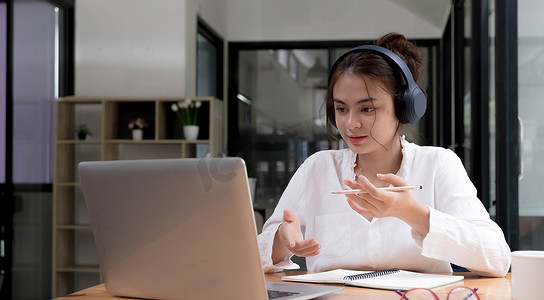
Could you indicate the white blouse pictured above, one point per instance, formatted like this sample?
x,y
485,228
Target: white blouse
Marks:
x,y
461,231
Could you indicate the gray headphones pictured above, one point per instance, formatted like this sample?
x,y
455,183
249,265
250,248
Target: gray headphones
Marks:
x,y
412,103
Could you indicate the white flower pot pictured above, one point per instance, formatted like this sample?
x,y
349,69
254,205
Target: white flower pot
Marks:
x,y
137,134
190,132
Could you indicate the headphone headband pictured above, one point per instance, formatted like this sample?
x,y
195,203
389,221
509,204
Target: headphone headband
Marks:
x,y
413,103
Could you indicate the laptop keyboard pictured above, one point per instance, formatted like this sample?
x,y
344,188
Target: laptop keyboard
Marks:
x,y
272,294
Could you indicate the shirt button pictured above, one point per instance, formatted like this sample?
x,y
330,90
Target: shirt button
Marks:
x,y
375,256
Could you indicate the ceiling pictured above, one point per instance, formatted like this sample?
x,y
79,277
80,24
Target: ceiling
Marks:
x,y
436,12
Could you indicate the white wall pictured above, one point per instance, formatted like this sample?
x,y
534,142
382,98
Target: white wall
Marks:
x,y
130,48
279,20
148,48
214,13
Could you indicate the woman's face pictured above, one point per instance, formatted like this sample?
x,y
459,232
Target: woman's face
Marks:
x,y
365,114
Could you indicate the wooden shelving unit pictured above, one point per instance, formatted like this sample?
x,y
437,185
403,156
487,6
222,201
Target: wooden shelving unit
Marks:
x,y
75,262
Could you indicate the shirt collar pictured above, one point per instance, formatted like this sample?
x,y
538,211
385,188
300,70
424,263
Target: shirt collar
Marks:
x,y
408,151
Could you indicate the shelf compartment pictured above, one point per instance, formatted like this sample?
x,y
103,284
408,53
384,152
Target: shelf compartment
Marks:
x,y
80,269
78,278
170,126
71,113
69,155
70,209
157,142
82,251
75,226
120,113
123,151
75,261
78,142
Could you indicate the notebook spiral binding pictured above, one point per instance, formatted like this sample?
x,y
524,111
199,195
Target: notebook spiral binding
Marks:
x,y
371,274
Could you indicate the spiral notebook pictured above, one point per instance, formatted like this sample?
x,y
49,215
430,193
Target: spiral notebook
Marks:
x,y
391,279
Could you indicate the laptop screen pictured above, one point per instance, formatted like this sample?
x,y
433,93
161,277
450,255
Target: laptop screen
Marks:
x,y
170,227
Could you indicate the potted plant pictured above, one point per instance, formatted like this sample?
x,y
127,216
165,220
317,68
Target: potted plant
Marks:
x,y
137,125
187,112
82,131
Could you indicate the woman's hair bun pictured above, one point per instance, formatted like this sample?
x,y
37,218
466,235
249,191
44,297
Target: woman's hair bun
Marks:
x,y
406,50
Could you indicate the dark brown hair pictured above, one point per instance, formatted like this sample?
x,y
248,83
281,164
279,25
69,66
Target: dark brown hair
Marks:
x,y
372,66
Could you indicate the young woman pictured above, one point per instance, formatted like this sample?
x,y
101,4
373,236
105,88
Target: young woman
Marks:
x,y
372,94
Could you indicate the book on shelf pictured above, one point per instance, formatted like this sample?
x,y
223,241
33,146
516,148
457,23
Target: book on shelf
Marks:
x,y
391,279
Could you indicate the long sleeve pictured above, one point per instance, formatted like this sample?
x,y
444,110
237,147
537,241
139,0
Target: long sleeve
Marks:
x,y
477,245
292,199
461,230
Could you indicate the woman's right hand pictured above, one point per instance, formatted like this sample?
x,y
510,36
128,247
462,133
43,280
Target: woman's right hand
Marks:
x,y
289,238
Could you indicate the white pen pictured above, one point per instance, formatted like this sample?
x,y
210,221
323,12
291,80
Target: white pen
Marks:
x,y
391,189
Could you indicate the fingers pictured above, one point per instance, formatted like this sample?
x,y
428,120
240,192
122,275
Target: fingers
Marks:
x,y
289,216
367,185
357,208
377,203
306,248
364,205
392,179
352,184
289,233
292,237
363,184
299,246
291,243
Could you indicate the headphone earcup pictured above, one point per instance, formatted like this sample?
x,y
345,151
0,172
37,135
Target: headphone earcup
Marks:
x,y
411,102
412,107
415,105
400,107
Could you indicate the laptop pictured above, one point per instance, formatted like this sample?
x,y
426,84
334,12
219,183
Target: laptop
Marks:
x,y
179,229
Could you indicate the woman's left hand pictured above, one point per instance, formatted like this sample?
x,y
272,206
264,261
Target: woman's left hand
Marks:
x,y
376,203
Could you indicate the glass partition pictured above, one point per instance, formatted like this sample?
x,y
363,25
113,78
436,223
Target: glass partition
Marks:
x,y
206,67
492,112
3,69
530,107
34,81
281,115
